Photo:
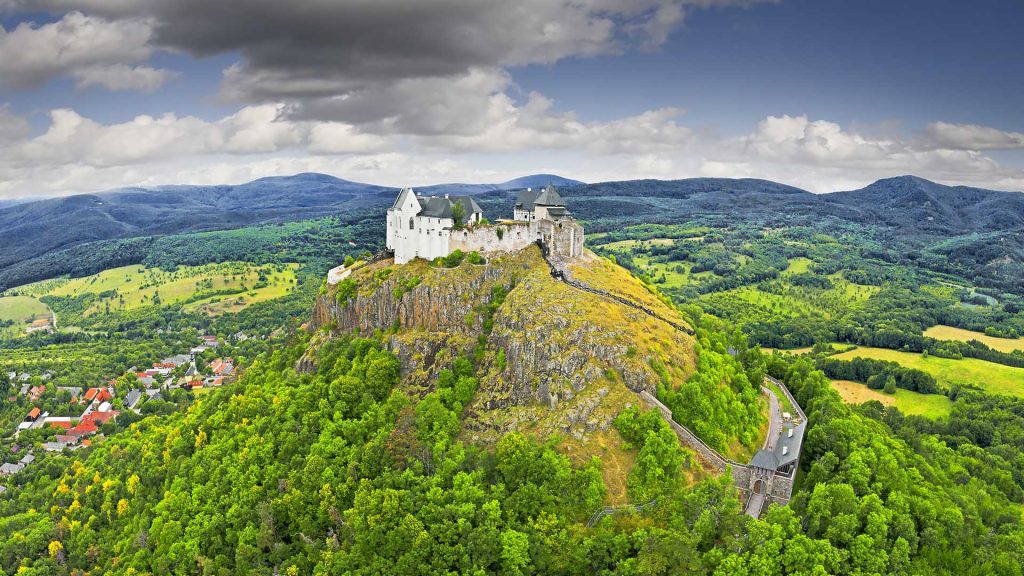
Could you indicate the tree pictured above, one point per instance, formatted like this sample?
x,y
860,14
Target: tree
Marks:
x,y
890,385
458,214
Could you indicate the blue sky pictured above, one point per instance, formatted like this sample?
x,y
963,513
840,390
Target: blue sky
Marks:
x,y
821,94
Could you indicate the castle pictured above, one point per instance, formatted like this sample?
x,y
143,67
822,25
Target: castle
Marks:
x,y
430,227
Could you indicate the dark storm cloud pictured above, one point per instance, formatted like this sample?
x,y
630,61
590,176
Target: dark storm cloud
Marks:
x,y
312,53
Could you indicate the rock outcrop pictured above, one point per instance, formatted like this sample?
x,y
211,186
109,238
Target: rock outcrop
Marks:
x,y
555,358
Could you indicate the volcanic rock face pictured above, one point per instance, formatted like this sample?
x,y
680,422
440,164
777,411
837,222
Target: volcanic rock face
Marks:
x,y
555,358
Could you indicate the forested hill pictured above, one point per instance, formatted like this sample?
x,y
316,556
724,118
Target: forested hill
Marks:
x,y
916,202
958,229
31,229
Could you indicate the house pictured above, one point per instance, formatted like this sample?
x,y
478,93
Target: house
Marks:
x,y
27,459
421,226
54,446
426,227
132,399
239,337
214,381
99,417
175,361
83,429
154,394
7,469
223,367
33,415
97,395
35,392
63,422
66,439
210,341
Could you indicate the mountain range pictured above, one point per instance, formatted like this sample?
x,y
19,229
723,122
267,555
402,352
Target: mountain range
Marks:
x,y
906,206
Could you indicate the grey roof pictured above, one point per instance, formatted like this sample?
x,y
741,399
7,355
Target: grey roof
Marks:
x,y
7,468
54,446
527,199
793,443
27,459
133,398
401,196
439,207
764,459
558,211
3,489
178,360
549,197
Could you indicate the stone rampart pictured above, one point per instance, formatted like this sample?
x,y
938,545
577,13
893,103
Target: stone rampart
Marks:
x,y
501,237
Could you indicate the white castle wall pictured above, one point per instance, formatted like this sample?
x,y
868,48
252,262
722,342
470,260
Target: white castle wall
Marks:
x,y
516,236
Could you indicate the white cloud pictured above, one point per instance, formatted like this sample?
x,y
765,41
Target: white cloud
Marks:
x,y
75,153
30,54
122,77
973,137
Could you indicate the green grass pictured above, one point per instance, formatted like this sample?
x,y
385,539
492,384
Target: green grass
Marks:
x,y
991,377
950,333
797,266
907,401
230,286
20,310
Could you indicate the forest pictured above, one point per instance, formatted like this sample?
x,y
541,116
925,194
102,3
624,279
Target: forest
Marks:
x,y
345,470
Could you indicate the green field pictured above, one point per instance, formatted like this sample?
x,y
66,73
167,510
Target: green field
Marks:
x,y
211,288
991,377
950,333
907,401
20,310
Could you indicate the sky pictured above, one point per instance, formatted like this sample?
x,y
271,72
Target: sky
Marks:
x,y
825,95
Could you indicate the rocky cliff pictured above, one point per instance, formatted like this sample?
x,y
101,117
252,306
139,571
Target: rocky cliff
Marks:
x,y
554,358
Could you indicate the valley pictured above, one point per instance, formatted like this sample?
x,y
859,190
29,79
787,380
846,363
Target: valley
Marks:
x,y
484,389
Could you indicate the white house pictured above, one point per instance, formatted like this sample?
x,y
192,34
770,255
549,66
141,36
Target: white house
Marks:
x,y
421,226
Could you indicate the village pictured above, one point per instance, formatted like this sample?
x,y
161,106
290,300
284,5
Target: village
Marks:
x,y
85,412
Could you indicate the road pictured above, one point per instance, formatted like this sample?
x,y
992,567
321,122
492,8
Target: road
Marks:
x,y
774,419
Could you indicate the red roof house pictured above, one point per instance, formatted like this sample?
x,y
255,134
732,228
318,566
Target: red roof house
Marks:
x,y
99,418
83,429
65,424
32,414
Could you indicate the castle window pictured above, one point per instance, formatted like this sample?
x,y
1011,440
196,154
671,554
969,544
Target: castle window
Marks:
x,y
411,224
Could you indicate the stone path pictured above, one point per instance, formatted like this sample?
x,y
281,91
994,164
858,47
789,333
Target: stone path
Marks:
x,y
774,419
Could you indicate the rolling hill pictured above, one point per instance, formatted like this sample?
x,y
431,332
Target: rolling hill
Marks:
x,y
34,228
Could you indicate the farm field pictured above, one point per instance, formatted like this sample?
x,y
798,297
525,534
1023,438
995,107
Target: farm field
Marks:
x,y
19,310
941,332
991,377
211,288
907,401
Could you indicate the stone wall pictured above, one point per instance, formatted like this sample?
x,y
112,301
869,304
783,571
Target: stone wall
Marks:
x,y
514,237
563,238
705,452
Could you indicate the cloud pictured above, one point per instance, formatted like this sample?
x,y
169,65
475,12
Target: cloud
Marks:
x,y
30,54
973,137
364,61
117,77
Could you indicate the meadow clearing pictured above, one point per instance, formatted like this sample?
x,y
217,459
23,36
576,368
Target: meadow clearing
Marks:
x,y
907,401
991,377
941,332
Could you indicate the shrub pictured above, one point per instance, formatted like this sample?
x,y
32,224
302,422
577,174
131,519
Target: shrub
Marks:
x,y
346,290
454,259
475,258
500,232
